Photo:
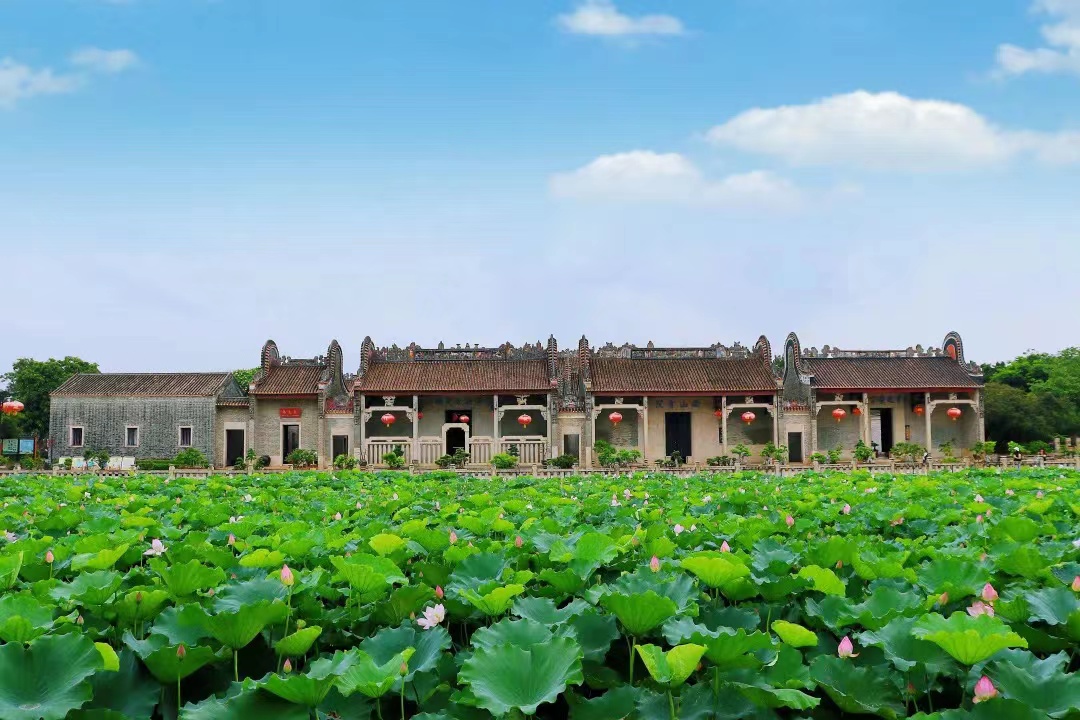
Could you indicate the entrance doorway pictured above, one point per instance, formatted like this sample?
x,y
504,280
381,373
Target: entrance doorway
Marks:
x,y
455,439
234,446
677,434
340,444
794,443
290,440
881,430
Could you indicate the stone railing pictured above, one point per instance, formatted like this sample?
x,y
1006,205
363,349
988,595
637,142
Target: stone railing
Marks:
x,y
480,450
531,450
375,448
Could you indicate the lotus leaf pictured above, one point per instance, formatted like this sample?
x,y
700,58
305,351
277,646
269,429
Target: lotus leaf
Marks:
x,y
48,678
508,677
969,640
671,668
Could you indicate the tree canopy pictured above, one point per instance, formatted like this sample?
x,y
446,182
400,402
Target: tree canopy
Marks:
x,y
244,377
1034,397
30,381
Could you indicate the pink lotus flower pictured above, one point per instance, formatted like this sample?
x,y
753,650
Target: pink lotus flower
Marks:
x,y
789,520
847,509
1009,492
453,537
79,620
846,649
49,557
984,690
287,578
432,617
1039,494
288,665
978,498
626,493
181,651
979,519
989,594
678,529
232,539
982,557
1076,584
518,542
980,608
439,592
156,548
359,506
654,564
614,500
724,547
337,516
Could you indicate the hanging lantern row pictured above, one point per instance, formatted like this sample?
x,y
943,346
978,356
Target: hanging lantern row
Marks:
x,y
748,417
524,420
954,413
839,414
12,407
615,418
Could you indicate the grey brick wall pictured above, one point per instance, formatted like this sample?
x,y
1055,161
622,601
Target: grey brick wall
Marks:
x,y
104,422
268,426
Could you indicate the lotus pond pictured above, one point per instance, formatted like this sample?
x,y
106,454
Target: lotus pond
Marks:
x,y
360,595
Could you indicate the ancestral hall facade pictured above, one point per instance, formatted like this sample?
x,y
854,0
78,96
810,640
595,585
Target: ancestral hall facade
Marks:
x,y
536,401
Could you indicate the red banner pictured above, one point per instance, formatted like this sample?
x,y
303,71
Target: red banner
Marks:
x,y
290,412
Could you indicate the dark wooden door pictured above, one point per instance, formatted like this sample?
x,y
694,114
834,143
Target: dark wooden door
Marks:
x,y
340,444
886,432
290,440
234,446
677,431
455,438
794,444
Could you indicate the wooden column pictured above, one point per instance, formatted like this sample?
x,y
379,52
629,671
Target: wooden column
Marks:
x,y
928,414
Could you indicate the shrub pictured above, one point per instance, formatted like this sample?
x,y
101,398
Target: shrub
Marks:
x,y
718,461
344,462
395,459
834,454
563,462
608,456
153,464
96,458
776,453
514,451
818,457
740,451
1037,446
907,451
863,452
68,463
504,461
460,458
302,458
190,458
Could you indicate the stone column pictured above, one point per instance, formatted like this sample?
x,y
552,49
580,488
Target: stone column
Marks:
x,y
723,425
359,408
249,435
776,420
415,428
643,436
812,404
866,431
552,419
928,415
980,418
497,432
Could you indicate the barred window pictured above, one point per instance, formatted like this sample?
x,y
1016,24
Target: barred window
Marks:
x,y
131,438
185,437
76,437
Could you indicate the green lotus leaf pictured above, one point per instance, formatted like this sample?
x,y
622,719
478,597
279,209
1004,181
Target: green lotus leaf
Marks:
x,y
250,592
140,605
433,541
824,580
506,677
237,629
1024,561
130,691
299,642
714,569
1041,684
477,571
495,602
403,602
23,618
1053,606
428,647
565,581
856,689
185,624
299,689
969,640
905,651
959,578
185,579
386,544
544,611
101,560
370,678
794,635
48,678
765,696
90,589
9,569
162,660
110,661
595,632
726,648
640,613
244,701
673,667
1017,528
263,558
615,704
591,551
368,574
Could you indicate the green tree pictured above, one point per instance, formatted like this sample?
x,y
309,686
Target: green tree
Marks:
x,y
244,377
30,381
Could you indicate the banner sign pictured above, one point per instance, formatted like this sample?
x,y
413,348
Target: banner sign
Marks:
x,y
290,412
26,446
11,446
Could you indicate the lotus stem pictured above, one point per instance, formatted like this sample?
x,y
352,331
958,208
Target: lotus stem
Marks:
x,y
671,705
633,649
402,695
235,665
179,704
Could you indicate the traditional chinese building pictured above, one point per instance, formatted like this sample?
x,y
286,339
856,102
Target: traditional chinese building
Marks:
x,y
538,402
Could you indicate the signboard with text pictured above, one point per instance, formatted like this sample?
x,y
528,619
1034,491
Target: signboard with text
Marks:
x,y
26,446
11,446
290,412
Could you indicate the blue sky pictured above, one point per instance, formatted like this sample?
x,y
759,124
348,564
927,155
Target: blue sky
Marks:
x,y
181,179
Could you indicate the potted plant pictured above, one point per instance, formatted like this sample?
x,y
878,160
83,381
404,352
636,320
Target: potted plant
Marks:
x,y
863,453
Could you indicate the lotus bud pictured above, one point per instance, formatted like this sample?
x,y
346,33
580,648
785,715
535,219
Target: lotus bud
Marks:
x,y
789,521
518,542
847,509
453,537
287,578
839,564
978,498
1009,492
654,564
982,557
404,669
232,539
288,665
979,519
846,649
439,592
984,690
724,547
943,599
358,505
301,624
989,594
79,620
1039,494
49,557
337,516
181,651
678,529
138,597
1076,584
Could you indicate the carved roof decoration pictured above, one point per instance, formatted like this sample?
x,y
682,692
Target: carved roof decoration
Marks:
x,y
284,376
335,387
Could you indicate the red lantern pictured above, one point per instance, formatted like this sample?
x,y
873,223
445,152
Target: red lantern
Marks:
x,y
464,419
856,411
524,420
615,418
748,417
420,415
12,407
919,410
388,419
718,414
839,414
955,413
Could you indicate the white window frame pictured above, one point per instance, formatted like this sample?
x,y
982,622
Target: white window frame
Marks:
x,y
180,436
82,436
138,436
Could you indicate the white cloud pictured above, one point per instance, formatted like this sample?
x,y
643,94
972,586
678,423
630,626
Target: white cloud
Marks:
x,y
646,176
104,61
601,17
1063,37
18,82
887,131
